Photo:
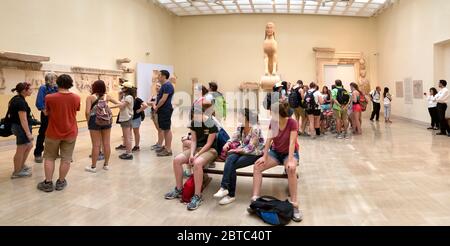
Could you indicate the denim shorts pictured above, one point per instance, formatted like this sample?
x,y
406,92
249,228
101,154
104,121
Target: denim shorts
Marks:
x,y
94,127
281,158
21,136
136,123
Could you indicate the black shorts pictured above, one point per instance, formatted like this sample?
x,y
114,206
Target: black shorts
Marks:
x,y
94,127
315,112
165,119
21,136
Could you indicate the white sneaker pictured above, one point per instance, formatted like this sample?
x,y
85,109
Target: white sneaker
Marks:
x,y
22,174
106,168
221,193
227,200
90,169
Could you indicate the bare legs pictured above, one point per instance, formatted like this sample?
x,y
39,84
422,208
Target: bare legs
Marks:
x,y
21,156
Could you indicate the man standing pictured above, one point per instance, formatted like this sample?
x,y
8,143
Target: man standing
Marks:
x,y
218,100
376,96
164,110
341,99
442,98
61,109
47,89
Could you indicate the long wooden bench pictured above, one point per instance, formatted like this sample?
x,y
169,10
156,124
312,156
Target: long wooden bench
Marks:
x,y
211,170
247,174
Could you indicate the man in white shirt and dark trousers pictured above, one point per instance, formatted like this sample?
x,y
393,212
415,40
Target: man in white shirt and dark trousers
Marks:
x,y
376,97
442,98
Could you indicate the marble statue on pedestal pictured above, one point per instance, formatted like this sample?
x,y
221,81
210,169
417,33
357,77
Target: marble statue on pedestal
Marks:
x,y
270,47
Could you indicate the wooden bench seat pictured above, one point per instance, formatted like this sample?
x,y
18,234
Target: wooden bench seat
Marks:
x,y
213,170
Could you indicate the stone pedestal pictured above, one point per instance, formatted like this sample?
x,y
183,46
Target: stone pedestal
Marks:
x,y
268,81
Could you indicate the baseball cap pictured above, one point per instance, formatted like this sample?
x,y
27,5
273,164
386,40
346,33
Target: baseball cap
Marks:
x,y
127,85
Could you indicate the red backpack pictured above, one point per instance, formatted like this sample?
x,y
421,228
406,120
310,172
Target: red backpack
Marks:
x,y
188,189
363,102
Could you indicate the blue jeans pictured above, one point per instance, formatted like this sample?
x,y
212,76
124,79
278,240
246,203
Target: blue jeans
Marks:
x,y
234,162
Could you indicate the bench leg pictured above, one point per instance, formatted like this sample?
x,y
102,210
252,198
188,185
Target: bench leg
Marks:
x,y
206,180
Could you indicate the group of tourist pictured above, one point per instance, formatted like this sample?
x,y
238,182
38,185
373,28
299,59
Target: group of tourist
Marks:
x,y
319,111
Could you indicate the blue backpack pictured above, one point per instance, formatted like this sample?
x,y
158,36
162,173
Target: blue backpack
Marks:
x,y
273,211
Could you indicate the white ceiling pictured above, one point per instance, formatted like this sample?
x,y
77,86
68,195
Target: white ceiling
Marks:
x,y
363,8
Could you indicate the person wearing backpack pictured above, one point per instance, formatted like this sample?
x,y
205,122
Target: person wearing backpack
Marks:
x,y
313,100
296,102
202,152
48,88
356,109
376,100
19,116
281,148
218,100
100,132
387,99
139,107
341,100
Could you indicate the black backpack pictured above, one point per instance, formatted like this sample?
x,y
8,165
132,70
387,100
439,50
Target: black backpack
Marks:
x,y
5,123
310,102
267,103
295,99
273,211
342,96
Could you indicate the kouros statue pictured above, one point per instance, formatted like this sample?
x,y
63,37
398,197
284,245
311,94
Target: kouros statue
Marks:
x,y
270,48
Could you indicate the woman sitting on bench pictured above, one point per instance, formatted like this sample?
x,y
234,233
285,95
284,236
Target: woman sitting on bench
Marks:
x,y
251,143
281,149
202,152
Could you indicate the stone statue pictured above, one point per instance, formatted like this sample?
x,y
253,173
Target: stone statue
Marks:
x,y
270,50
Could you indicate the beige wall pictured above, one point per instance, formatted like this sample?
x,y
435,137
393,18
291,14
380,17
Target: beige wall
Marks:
x,y
87,33
406,35
228,48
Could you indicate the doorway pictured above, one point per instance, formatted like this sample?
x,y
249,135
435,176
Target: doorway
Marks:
x,y
345,72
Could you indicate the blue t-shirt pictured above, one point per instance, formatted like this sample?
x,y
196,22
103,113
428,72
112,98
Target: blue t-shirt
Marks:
x,y
166,88
44,90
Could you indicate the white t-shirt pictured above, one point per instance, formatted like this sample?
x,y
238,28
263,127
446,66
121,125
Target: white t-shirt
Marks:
x,y
432,102
127,113
386,99
316,95
375,96
442,96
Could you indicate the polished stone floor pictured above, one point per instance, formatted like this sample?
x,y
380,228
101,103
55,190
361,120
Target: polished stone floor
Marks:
x,y
396,174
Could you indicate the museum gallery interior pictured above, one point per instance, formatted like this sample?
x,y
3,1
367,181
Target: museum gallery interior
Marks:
x,y
199,112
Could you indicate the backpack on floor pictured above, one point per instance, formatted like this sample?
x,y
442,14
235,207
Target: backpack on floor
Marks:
x,y
103,114
342,96
273,211
310,102
188,189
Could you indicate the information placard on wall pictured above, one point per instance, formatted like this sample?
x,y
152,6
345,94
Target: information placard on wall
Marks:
x,y
399,89
418,89
408,91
